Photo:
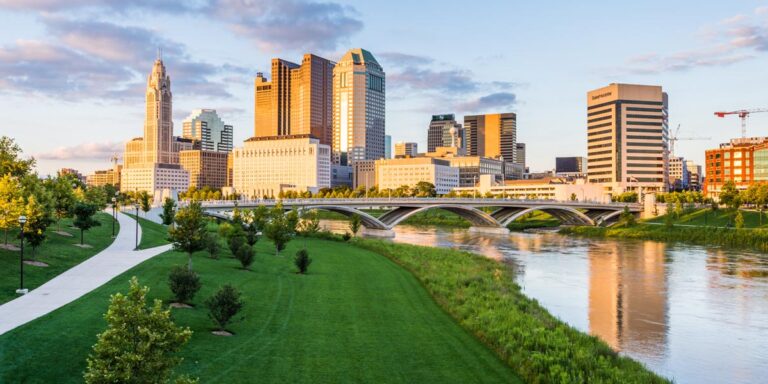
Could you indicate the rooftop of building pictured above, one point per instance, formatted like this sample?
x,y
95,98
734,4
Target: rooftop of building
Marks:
x,y
273,138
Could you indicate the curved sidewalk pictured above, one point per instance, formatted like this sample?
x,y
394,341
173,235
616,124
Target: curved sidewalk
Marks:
x,y
80,279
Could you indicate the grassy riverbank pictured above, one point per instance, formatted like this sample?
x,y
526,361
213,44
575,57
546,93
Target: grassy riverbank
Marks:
x,y
482,296
152,234
58,252
736,238
356,317
706,217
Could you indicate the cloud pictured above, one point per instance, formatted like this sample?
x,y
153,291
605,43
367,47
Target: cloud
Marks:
x,y
453,80
115,5
397,59
85,151
734,39
493,101
289,24
99,60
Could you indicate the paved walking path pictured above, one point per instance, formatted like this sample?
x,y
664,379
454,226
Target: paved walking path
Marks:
x,y
80,279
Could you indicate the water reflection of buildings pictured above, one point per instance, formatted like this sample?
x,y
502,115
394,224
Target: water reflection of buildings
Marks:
x,y
628,296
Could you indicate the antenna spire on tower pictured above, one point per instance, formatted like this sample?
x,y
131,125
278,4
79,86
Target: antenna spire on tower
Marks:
x,y
160,53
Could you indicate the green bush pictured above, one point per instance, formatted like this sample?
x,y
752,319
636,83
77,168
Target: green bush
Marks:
x,y
482,296
245,255
184,284
346,236
235,243
212,245
224,305
302,261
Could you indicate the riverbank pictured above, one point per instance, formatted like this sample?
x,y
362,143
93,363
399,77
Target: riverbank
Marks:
x,y
482,296
756,239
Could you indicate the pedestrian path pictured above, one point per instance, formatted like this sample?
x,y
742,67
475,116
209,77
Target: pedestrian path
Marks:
x,y
80,279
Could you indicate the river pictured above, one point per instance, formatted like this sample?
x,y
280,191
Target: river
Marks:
x,y
693,314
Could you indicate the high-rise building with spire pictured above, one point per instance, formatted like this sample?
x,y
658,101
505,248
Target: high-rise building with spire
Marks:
x,y
151,162
358,108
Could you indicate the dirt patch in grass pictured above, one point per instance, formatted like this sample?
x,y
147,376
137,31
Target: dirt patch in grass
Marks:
x,y
62,233
180,305
10,247
222,333
83,245
35,263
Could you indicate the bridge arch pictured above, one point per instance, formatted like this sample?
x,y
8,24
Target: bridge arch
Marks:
x,y
566,215
475,216
366,219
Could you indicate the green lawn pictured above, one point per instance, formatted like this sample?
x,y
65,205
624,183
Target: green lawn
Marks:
x,y
58,251
152,234
719,218
356,317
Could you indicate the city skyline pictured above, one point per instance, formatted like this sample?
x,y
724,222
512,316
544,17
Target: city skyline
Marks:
x,y
710,61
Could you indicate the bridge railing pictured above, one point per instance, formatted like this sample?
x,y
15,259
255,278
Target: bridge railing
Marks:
x,y
412,200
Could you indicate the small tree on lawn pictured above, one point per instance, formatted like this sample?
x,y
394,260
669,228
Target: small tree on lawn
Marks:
x,y
309,223
235,243
144,202
140,342
184,284
281,227
669,220
11,204
302,261
169,211
245,255
63,196
224,305
190,232
84,218
627,218
738,221
38,220
212,245
354,224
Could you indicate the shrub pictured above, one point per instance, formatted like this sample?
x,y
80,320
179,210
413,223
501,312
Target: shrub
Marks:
x,y
738,221
346,236
235,243
224,305
212,245
302,261
245,255
184,284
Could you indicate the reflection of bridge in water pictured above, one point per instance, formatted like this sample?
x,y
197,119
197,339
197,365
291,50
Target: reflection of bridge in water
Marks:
x,y
492,215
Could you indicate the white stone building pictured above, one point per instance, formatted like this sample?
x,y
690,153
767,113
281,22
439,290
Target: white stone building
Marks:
x,y
394,173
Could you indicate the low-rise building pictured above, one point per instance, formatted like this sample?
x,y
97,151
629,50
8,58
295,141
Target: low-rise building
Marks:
x,y
695,175
265,166
364,174
155,178
406,149
101,178
206,168
549,188
734,161
678,174
394,173
341,175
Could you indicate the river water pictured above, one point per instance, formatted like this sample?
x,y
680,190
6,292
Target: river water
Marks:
x,y
693,314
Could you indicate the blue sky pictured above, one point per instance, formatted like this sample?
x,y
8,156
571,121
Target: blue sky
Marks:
x,y
72,73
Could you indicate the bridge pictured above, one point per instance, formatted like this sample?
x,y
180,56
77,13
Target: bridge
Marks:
x,y
485,215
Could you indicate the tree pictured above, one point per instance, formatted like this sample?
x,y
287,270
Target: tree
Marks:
x,y
184,284
281,227
761,199
11,203
10,159
235,242
189,233
139,344
425,189
144,202
38,220
627,218
245,255
96,196
84,218
738,221
212,245
729,195
302,261
669,220
169,211
354,224
309,223
224,305
573,197
63,197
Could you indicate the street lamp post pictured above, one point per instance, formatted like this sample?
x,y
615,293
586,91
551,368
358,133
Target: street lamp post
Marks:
x,y
136,248
114,215
22,290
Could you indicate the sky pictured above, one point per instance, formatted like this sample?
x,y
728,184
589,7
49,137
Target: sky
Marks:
x,y
73,72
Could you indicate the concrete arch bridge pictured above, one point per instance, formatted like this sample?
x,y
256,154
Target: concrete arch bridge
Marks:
x,y
485,215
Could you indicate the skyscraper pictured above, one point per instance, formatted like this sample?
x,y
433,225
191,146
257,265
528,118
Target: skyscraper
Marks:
x,y
297,101
406,149
492,135
627,138
205,126
444,131
358,108
158,126
520,155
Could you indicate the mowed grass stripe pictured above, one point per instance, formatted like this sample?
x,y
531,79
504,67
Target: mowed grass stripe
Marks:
x,y
357,317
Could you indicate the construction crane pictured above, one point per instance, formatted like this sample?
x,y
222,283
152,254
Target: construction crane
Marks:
x,y
673,138
743,114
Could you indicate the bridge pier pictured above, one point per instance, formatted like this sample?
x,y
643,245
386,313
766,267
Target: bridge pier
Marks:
x,y
489,230
382,233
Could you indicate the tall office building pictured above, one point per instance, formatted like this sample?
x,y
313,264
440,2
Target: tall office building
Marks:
x,y
695,178
520,154
358,108
444,131
571,165
627,138
297,101
678,174
406,149
151,162
206,127
492,135
387,146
